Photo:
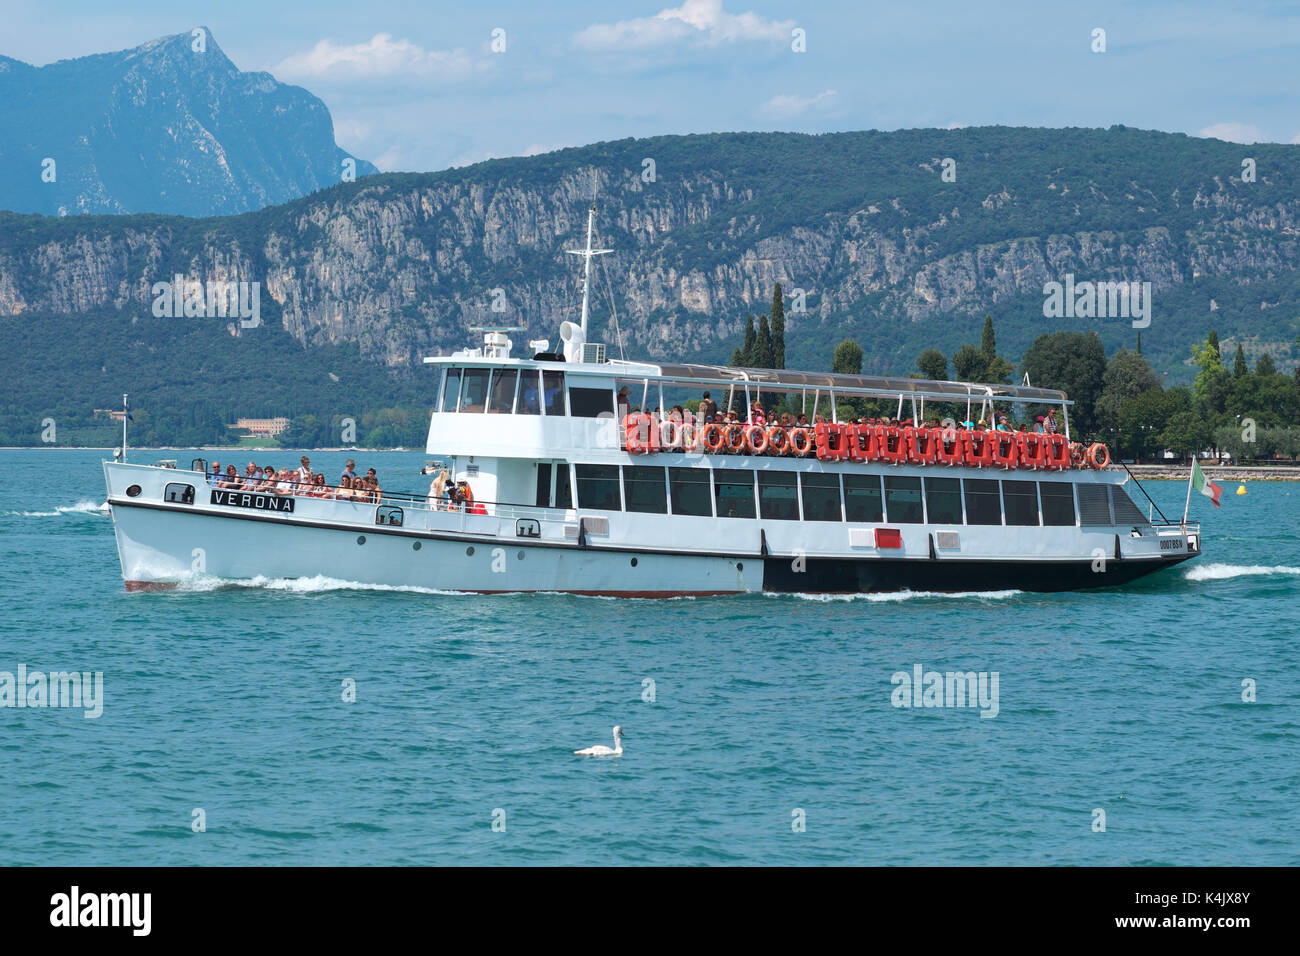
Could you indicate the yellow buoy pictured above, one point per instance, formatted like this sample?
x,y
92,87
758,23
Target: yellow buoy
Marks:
x,y
1241,488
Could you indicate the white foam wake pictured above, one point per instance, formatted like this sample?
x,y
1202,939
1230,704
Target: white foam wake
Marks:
x,y
892,596
318,584
83,507
1222,572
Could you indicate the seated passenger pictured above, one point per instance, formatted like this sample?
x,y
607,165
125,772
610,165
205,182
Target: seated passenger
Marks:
x,y
318,487
372,483
232,479
756,415
214,479
802,421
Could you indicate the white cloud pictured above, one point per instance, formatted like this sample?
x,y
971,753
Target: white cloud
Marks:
x,y
379,57
696,21
788,106
1234,133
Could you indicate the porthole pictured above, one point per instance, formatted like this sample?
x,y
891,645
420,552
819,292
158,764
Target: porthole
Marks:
x,y
361,539
133,491
634,562
520,555
416,546
469,552
740,566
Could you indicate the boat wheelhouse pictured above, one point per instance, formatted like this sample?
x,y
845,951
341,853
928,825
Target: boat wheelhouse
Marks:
x,y
585,479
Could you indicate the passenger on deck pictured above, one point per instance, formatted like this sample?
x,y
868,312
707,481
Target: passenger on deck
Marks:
x,y
708,408
285,485
676,414
372,485
437,489
802,421
1051,425
756,415
304,475
214,479
350,471
1003,426
232,479
318,487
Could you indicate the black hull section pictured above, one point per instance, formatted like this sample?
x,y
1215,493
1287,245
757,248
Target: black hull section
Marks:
x,y
840,576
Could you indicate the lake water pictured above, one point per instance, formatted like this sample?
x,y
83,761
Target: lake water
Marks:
x,y
745,716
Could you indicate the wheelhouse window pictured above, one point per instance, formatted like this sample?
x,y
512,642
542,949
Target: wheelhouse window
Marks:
x,y
179,494
1126,512
598,487
553,392
563,490
590,402
473,389
821,496
903,500
778,495
943,500
734,488
645,490
983,503
690,493
451,390
502,394
862,501
530,393
1020,498
543,484
1058,503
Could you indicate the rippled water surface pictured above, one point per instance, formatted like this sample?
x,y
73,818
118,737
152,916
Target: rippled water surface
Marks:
x,y
229,699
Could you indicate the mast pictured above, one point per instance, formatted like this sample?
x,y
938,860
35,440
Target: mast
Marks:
x,y
126,413
586,267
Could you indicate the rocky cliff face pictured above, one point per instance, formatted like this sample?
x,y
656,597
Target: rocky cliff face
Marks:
x,y
402,264
171,127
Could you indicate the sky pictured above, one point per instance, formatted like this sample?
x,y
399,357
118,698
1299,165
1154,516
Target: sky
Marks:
x,y
425,86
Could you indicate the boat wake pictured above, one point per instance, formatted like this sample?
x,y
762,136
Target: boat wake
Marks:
x,y
319,584
1224,572
83,507
889,597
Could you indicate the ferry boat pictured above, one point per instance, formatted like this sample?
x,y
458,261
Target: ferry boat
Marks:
x,y
582,483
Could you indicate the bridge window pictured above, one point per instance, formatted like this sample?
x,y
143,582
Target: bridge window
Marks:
x,y
598,487
503,391
544,484
983,504
690,491
1058,503
1020,498
644,489
778,495
179,494
862,500
735,490
451,390
473,389
590,402
553,392
530,393
903,500
821,496
943,500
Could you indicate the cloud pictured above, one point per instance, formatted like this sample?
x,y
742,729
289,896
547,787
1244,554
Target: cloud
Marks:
x,y
1234,133
789,105
380,57
702,22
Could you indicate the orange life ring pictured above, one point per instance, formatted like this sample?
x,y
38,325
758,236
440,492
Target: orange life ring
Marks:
x,y
711,436
733,437
688,437
670,435
801,442
755,439
1098,455
778,441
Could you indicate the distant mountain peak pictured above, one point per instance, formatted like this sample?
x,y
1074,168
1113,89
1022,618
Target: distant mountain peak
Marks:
x,y
170,126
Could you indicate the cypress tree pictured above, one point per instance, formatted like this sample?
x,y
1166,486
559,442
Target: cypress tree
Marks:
x,y
988,344
763,347
737,360
1265,365
1139,342
1239,368
778,328
1212,341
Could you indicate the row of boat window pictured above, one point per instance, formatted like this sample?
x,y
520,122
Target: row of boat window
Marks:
x,y
831,496
521,392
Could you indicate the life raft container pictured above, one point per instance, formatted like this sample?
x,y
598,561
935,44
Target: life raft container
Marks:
x,y
979,447
920,445
778,440
755,440
860,442
641,437
1031,450
1006,449
1057,452
830,441
949,448
711,438
891,445
801,442
1098,455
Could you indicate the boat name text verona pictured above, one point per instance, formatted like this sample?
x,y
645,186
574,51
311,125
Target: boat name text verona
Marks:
x,y
244,499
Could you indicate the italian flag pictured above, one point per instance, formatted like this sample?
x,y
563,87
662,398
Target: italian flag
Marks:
x,y
1202,484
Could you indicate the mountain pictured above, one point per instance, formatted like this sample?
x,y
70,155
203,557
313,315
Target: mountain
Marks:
x,y
169,127
377,273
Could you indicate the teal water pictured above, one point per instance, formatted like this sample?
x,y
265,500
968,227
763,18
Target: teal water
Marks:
x,y
229,699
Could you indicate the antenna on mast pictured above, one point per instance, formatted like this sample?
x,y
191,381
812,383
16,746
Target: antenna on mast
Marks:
x,y
586,254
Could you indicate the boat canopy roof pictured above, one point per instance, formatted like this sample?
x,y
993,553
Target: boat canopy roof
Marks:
x,y
776,379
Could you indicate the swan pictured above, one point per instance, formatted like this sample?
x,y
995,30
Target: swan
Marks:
x,y
600,750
